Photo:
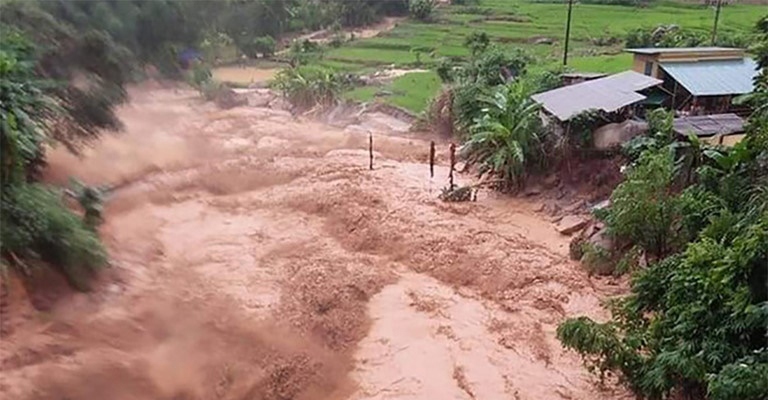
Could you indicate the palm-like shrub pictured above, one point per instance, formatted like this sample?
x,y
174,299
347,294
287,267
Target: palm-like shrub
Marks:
x,y
507,140
306,87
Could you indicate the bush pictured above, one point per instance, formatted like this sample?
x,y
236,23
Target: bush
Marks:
x,y
477,42
507,140
496,66
302,52
264,45
421,9
36,225
644,210
693,323
306,87
466,107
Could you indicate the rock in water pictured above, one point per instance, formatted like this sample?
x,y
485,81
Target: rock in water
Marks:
x,y
571,224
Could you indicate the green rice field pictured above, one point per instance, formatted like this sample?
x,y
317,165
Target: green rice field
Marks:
x,y
537,27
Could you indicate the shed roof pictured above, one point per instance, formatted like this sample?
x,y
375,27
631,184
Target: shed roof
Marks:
x,y
714,78
678,50
709,125
586,75
607,94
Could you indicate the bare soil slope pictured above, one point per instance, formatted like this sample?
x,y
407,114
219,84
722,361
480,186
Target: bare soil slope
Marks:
x,y
256,257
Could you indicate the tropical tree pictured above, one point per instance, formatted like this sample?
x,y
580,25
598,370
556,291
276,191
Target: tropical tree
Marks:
x,y
507,140
694,324
37,228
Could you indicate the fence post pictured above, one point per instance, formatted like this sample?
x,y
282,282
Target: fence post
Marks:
x,y
453,163
432,159
370,150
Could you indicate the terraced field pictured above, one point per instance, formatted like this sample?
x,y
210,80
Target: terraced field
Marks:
x,y
537,27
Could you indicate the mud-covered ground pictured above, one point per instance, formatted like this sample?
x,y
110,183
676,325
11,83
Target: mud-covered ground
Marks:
x,y
255,256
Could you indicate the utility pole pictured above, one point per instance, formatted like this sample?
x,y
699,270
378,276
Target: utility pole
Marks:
x,y
717,18
568,33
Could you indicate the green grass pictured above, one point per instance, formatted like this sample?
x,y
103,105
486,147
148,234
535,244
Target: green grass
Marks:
x,y
517,24
604,63
411,91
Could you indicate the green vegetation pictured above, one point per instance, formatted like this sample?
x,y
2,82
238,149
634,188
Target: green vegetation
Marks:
x,y
39,106
305,87
694,324
421,9
597,36
506,140
411,91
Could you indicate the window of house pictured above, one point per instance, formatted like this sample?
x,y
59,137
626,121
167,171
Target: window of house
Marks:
x,y
648,68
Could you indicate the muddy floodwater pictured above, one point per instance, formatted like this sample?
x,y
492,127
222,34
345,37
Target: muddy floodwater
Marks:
x,y
255,256
244,75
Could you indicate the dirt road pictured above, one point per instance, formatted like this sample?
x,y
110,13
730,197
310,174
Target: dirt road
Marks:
x,y
256,257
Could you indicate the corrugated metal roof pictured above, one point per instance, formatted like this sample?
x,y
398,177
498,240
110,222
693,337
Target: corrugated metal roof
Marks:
x,y
709,125
583,75
666,50
608,94
714,78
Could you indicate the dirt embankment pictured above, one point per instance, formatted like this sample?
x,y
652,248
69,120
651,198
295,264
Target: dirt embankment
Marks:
x,y
256,257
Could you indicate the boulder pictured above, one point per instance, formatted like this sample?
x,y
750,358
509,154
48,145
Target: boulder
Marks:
x,y
611,136
227,98
601,205
260,98
575,206
533,190
279,103
551,181
571,224
601,239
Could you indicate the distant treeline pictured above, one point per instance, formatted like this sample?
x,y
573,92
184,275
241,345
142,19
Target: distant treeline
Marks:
x,y
155,32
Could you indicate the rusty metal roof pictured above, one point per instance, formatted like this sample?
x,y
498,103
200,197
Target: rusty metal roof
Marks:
x,y
709,125
607,94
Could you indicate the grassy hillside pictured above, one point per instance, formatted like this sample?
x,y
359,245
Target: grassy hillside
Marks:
x,y
518,23
537,27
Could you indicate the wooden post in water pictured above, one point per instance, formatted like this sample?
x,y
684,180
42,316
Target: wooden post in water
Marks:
x,y
370,150
432,159
453,163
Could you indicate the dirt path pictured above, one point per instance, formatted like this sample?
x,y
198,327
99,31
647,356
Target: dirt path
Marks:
x,y
256,257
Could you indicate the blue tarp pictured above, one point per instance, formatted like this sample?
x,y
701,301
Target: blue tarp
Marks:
x,y
189,55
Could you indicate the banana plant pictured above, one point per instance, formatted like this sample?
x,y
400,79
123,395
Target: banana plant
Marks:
x,y
507,139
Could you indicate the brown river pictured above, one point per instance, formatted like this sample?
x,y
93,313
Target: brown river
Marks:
x,y
255,256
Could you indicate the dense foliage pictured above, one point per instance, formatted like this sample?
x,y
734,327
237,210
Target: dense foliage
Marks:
x,y
306,87
675,36
421,9
82,70
507,139
694,324
37,228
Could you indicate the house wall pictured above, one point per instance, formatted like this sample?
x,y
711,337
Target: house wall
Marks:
x,y
693,56
638,64
639,60
725,140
